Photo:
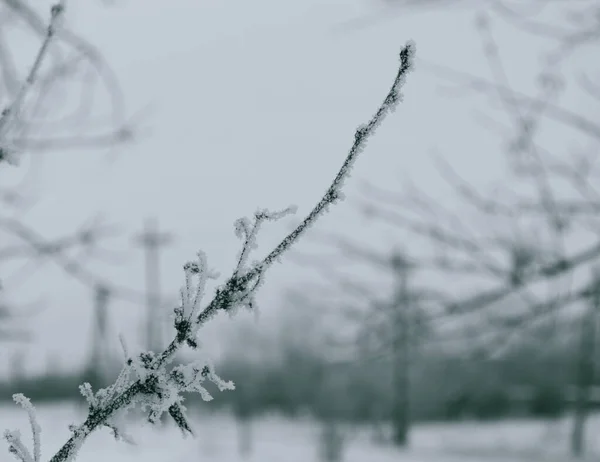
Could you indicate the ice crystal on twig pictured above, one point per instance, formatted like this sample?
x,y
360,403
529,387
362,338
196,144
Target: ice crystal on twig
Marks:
x,y
145,379
16,446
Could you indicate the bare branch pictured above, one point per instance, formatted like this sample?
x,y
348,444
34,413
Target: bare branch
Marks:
x,y
11,112
481,85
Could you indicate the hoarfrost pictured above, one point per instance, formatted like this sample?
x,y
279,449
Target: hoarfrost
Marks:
x,y
144,379
16,446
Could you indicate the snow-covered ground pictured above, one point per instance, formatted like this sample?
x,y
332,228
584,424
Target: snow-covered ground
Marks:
x,y
280,440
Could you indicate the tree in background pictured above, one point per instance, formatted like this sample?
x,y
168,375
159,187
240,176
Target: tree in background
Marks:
x,y
51,106
393,327
532,238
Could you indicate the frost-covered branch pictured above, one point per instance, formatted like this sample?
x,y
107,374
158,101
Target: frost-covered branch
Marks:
x,y
11,113
361,136
16,446
146,378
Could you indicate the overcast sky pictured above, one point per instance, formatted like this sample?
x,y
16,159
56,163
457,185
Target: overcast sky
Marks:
x,y
252,104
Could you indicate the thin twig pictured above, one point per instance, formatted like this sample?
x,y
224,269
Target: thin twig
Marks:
x,y
238,289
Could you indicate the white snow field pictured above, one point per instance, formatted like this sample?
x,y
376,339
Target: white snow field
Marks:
x,y
280,440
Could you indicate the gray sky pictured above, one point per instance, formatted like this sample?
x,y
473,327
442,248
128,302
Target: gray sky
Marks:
x,y
254,104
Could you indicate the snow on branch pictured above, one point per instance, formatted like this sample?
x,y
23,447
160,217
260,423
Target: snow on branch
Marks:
x,y
16,446
146,378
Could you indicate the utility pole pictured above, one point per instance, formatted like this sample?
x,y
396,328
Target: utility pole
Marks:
x,y
401,341
152,240
99,355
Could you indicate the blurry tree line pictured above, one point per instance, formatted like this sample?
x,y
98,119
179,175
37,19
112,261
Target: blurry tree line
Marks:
x,y
515,261
299,380
444,386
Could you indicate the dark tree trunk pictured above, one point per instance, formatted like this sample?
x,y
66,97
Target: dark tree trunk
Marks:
x,y
585,374
401,412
